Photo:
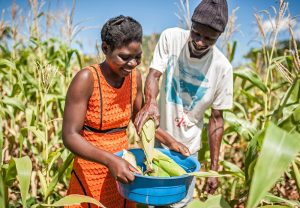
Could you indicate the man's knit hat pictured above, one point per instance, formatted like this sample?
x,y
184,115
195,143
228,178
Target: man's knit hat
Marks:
x,y
213,13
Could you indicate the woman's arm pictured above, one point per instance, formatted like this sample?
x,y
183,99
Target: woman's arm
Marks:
x,y
78,95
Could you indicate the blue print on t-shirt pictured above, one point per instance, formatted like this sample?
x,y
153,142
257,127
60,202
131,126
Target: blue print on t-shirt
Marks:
x,y
183,84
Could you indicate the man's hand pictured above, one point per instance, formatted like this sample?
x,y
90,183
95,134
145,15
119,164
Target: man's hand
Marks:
x,y
150,110
211,185
179,147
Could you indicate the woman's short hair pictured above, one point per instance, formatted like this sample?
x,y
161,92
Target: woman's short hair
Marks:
x,y
120,31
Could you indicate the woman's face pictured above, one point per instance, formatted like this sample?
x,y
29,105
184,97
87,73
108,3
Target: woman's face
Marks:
x,y
123,59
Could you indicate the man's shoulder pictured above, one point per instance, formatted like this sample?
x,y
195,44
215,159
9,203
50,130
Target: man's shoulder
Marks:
x,y
221,60
175,32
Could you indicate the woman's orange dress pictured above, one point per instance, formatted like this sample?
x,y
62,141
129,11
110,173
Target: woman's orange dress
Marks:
x,y
108,113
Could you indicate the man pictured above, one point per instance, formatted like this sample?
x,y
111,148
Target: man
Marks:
x,y
196,76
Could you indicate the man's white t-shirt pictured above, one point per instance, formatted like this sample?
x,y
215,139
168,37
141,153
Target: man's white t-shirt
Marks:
x,y
189,86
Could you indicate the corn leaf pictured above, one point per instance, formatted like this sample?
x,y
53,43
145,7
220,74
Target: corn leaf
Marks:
x,y
217,201
24,169
3,195
234,169
59,174
43,183
74,199
290,98
240,126
251,155
252,77
296,174
210,173
270,198
14,102
10,172
38,133
278,151
1,139
7,63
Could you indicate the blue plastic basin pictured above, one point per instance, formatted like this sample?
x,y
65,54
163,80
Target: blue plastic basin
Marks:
x,y
159,191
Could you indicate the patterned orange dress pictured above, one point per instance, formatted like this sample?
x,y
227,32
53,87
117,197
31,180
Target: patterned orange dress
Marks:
x,y
108,113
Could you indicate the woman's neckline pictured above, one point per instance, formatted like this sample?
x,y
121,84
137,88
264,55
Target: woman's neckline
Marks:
x,y
101,69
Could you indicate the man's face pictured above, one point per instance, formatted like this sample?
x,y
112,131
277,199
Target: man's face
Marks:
x,y
202,38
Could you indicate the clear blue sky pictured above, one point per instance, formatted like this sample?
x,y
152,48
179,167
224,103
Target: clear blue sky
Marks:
x,y
157,15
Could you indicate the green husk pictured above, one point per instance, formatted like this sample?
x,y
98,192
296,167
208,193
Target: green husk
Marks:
x,y
167,164
131,133
147,141
158,172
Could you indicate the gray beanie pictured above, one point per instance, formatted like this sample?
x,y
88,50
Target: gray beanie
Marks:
x,y
213,13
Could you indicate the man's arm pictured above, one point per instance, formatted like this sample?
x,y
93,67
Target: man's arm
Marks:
x,y
215,134
138,102
150,109
165,138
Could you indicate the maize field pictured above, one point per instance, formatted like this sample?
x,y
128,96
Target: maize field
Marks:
x,y
259,159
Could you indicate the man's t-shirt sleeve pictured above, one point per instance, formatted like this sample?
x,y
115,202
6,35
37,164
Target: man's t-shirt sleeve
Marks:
x,y
223,98
160,55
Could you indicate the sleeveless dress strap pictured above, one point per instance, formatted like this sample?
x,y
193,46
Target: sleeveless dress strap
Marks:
x,y
112,130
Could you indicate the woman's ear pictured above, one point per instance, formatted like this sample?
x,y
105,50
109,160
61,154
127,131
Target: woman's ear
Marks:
x,y
105,48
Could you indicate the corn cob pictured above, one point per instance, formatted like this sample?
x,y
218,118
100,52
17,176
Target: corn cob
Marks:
x,y
158,172
167,164
147,142
129,157
131,133
157,163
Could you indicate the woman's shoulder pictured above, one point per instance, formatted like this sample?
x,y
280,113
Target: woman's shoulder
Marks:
x,y
83,81
85,74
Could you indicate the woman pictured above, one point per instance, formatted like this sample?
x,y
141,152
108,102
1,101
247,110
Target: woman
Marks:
x,y
100,102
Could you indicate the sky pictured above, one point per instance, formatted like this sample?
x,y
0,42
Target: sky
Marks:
x,y
157,15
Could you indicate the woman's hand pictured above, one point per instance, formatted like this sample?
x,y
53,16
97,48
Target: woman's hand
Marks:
x,y
179,147
121,170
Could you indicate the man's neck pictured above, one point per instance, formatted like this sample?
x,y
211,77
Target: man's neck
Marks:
x,y
198,56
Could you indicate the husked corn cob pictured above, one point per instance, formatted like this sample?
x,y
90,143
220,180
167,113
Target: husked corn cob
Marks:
x,y
131,133
129,157
158,171
167,164
157,163
147,140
